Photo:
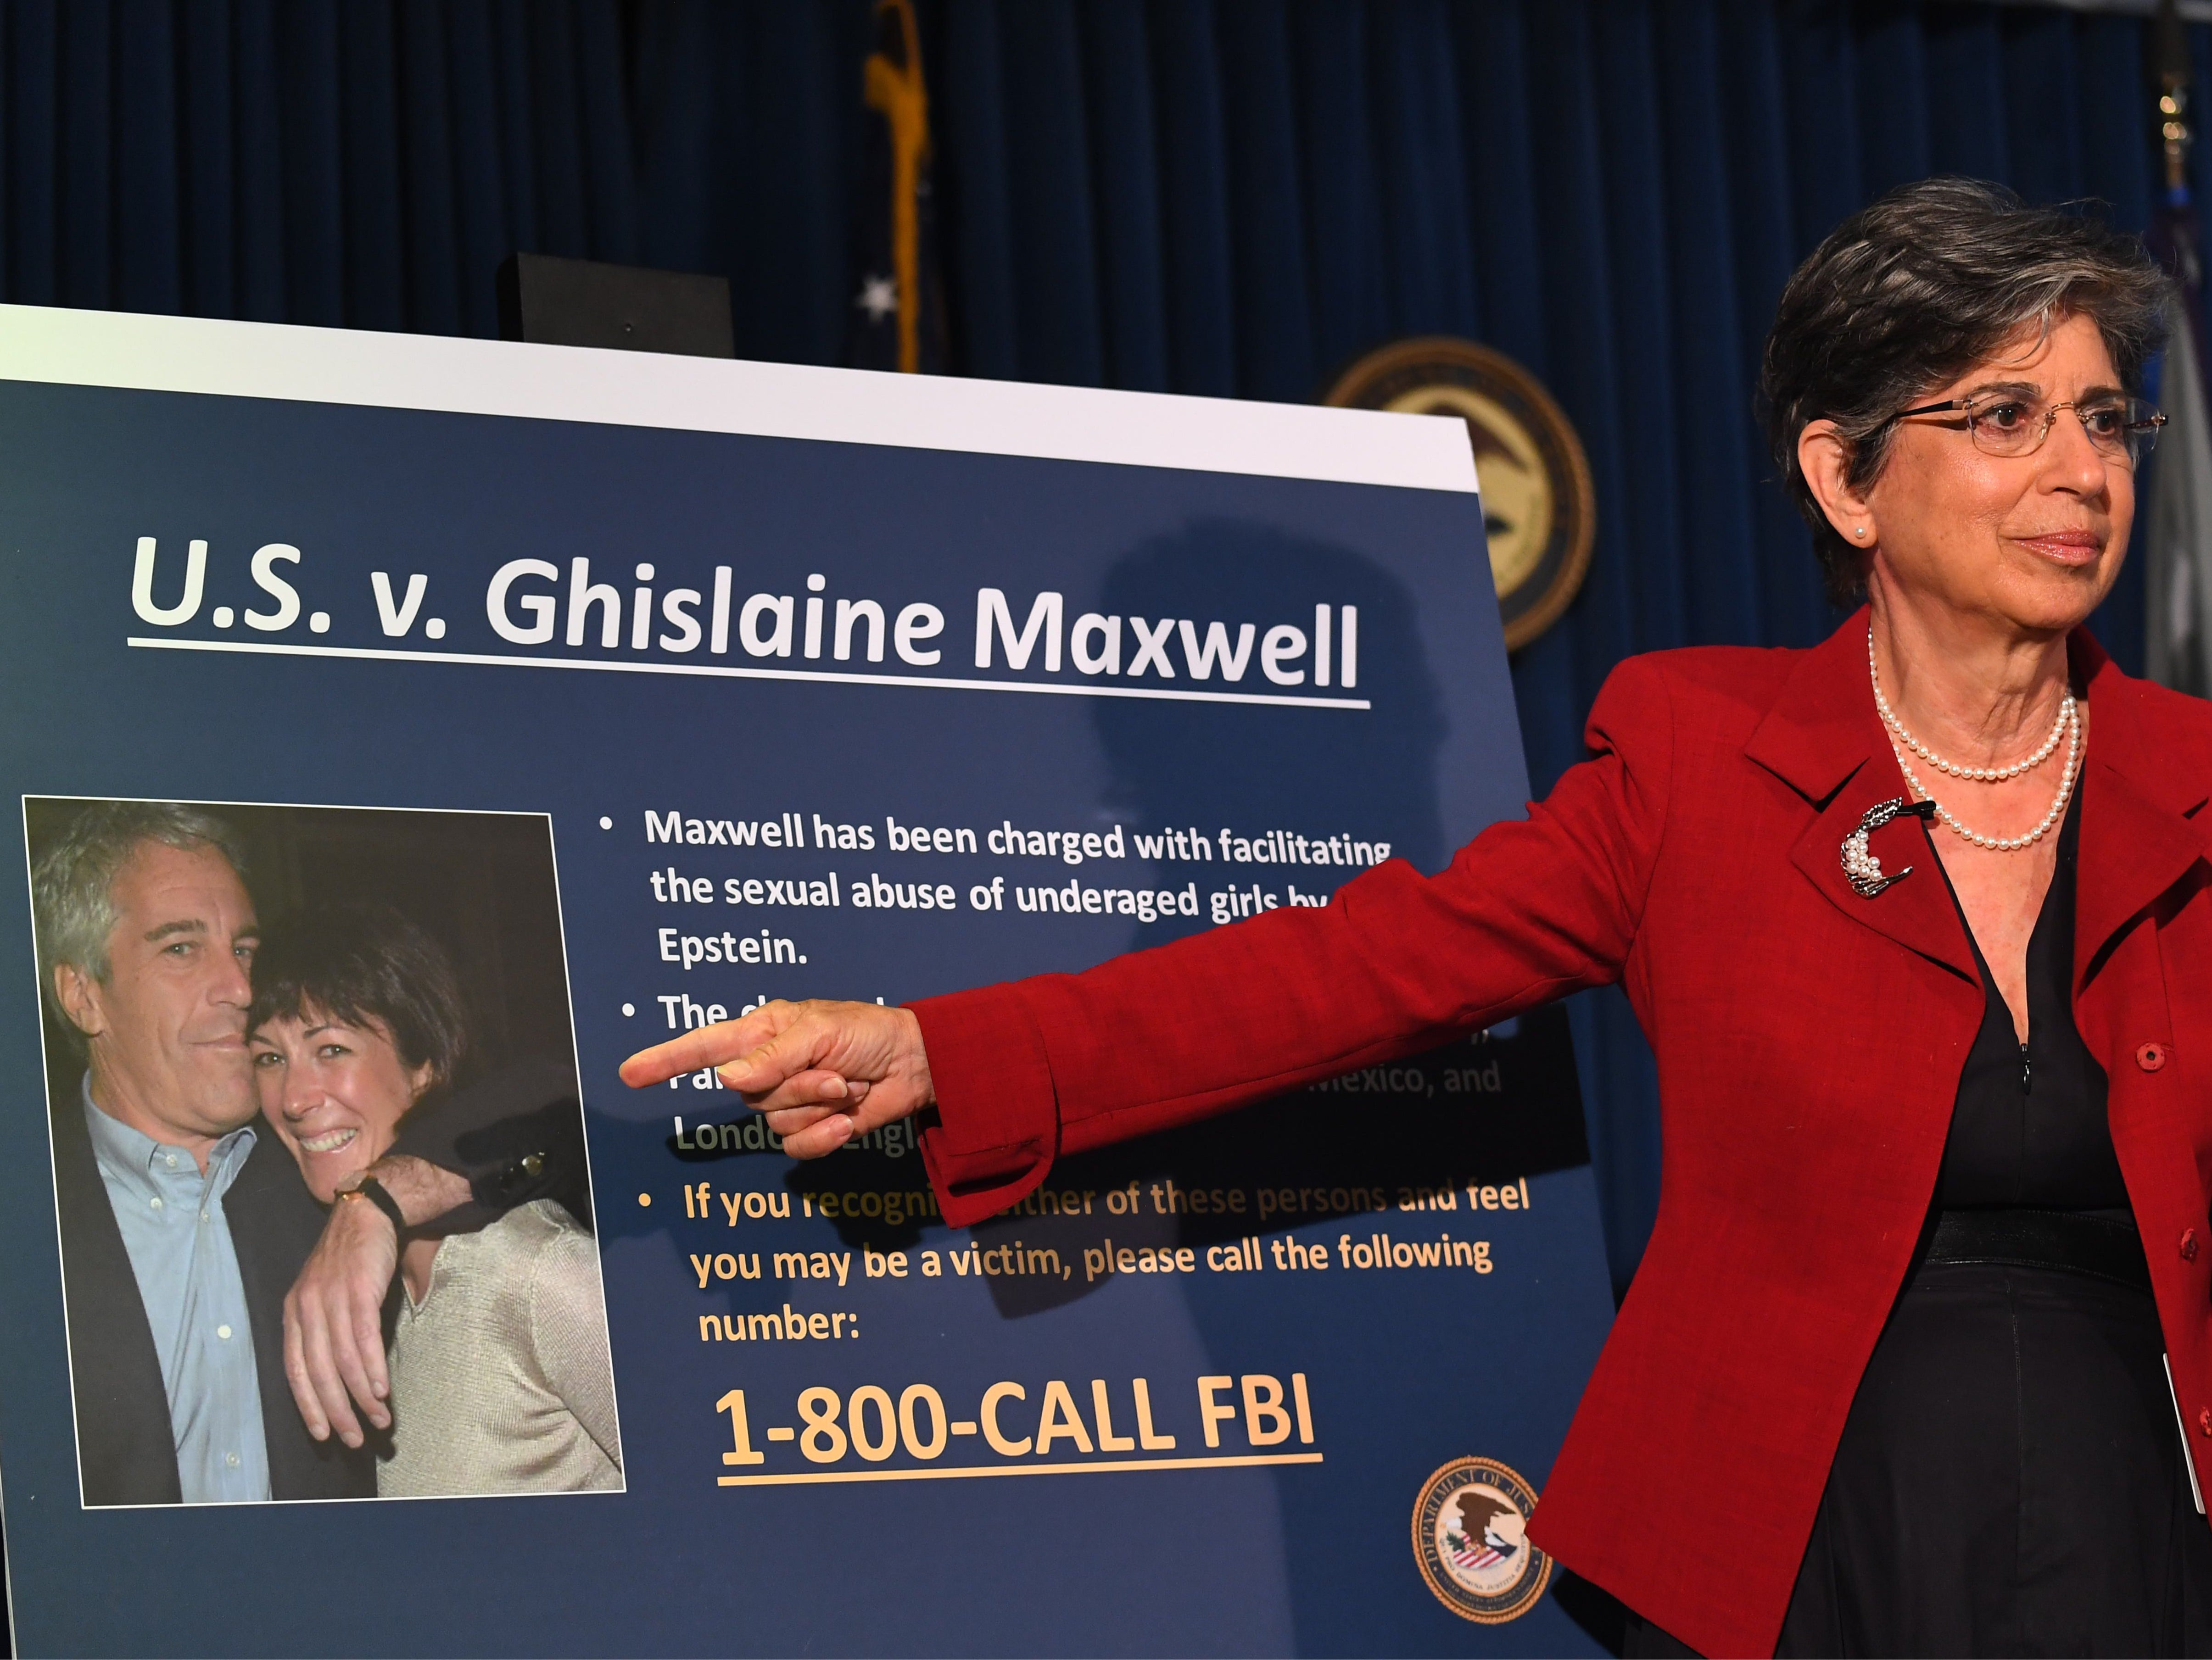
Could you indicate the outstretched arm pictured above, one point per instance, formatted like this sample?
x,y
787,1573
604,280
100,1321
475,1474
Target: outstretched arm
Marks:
x,y
1531,910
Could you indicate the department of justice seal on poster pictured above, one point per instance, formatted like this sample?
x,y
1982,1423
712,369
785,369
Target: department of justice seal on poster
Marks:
x,y
1470,1537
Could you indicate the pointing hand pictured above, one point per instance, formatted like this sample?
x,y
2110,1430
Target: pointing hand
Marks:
x,y
823,1072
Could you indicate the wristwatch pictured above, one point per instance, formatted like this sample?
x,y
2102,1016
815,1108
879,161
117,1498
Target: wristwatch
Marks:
x,y
370,1189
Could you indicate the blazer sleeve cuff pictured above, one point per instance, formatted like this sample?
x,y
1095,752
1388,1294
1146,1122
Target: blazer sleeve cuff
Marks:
x,y
998,1119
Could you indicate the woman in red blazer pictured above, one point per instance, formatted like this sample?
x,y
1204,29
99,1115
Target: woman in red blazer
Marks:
x,y
1938,1129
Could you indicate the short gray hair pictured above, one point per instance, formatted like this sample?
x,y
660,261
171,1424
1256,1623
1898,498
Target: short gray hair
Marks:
x,y
1917,289
72,885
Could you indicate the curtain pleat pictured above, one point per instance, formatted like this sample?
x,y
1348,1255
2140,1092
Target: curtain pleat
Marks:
x,y
87,125
1048,183
374,250
564,214
206,159
1964,56
1273,315
608,168
970,109
1430,244
28,132
1344,134
1130,216
1228,197
1715,532
1202,300
1649,353
149,250
260,228
1892,60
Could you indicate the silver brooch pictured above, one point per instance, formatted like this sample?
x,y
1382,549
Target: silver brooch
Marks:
x,y
1861,868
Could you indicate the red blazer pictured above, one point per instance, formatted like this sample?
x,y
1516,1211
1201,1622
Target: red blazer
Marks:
x,y
1809,1045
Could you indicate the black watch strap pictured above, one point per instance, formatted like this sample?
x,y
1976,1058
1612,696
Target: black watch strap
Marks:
x,y
374,1190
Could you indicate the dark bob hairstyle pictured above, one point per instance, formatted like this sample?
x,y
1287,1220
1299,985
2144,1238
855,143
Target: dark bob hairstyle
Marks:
x,y
367,966
1910,294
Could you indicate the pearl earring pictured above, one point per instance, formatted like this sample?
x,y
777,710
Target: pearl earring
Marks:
x,y
1860,532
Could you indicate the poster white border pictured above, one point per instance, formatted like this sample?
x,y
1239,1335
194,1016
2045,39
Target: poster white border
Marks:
x,y
290,363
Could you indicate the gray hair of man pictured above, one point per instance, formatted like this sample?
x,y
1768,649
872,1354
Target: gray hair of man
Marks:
x,y
72,886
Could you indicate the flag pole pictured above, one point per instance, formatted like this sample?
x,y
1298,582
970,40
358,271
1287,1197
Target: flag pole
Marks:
x,y
2176,497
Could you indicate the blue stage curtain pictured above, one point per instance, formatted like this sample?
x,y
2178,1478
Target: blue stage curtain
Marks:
x,y
356,163
1223,197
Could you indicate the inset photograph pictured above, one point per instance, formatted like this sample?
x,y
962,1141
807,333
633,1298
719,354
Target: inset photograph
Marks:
x,y
331,1048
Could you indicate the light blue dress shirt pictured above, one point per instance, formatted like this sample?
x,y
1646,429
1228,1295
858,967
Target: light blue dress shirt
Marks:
x,y
174,1227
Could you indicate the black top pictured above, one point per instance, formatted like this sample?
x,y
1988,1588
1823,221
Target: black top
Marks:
x,y
2009,1479
2029,1129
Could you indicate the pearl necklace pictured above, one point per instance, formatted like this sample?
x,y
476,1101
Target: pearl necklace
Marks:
x,y
2069,720
1974,774
2014,843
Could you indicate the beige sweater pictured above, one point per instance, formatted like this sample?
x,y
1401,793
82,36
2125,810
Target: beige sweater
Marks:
x,y
501,1381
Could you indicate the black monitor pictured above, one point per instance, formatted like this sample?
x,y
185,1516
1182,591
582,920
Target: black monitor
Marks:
x,y
581,302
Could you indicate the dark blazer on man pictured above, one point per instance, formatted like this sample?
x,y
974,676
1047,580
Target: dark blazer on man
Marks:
x,y
126,1445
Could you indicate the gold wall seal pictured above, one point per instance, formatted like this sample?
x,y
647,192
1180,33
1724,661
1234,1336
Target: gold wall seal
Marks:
x,y
1537,505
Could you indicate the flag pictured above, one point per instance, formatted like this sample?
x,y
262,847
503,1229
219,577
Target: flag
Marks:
x,y
2178,541
2177,530
899,312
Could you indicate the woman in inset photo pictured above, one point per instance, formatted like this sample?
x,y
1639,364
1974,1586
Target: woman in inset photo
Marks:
x,y
500,1373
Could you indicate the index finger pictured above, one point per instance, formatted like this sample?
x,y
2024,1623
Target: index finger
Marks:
x,y
702,1047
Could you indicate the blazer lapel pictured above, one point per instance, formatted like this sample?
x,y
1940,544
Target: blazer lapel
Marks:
x,y
1915,910
2141,827
126,1446
1823,739
274,1224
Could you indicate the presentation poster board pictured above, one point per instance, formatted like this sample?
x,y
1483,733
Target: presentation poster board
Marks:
x,y
646,689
